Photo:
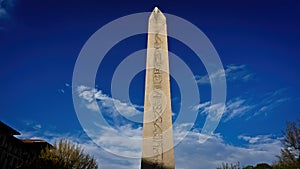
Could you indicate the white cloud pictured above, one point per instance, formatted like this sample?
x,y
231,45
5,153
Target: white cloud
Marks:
x,y
202,105
124,140
192,152
37,126
232,72
32,124
189,154
115,106
112,139
209,155
256,139
206,80
214,112
236,72
234,108
196,151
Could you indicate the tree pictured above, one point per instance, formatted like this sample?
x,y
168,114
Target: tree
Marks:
x,y
290,154
237,166
64,155
263,166
231,166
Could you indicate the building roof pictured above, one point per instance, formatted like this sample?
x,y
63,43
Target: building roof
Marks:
x,y
33,141
40,142
8,129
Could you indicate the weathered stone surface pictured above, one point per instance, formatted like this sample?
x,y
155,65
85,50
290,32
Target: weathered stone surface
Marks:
x,y
157,150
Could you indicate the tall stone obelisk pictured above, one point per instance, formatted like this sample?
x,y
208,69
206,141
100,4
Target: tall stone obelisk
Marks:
x,y
157,150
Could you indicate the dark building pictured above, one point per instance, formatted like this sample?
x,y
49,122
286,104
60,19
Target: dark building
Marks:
x,y
15,152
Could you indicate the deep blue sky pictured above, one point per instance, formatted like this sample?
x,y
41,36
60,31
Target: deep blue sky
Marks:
x,y
40,42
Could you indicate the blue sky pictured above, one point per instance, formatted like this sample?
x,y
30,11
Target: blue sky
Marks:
x,y
257,42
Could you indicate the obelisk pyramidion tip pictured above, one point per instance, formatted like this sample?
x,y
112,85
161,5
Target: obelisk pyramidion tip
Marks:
x,y
156,10
157,15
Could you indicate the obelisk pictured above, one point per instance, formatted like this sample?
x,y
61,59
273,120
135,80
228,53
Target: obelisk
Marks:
x,y
157,149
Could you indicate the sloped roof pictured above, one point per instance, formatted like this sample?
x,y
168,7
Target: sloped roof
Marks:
x,y
36,142
8,129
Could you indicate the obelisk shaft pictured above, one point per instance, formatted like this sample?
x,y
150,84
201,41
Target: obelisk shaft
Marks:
x,y
157,150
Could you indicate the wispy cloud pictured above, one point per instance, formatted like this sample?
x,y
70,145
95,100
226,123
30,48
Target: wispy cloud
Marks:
x,y
237,108
271,100
247,106
32,124
5,6
3,13
234,108
212,111
115,106
256,139
232,73
37,126
5,10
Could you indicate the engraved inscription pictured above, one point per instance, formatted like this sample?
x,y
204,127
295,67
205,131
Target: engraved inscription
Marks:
x,y
158,42
157,105
158,150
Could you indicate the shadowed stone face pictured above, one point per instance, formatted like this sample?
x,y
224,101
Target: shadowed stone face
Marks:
x,y
157,150
150,165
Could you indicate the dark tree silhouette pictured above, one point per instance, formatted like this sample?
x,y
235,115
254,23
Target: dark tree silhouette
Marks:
x,y
290,154
64,155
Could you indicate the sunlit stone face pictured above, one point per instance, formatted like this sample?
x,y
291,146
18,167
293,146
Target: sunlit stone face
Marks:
x,y
157,150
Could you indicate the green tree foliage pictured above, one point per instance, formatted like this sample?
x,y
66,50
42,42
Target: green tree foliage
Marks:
x,y
64,155
263,166
237,166
290,154
230,166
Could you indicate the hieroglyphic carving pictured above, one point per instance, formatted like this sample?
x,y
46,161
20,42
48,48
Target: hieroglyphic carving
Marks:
x,y
157,152
157,78
157,105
